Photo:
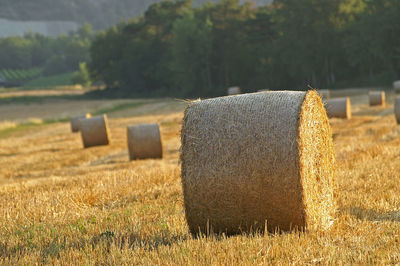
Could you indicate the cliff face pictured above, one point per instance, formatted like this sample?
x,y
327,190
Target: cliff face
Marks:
x,y
99,13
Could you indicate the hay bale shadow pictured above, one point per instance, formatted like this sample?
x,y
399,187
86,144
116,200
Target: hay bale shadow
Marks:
x,y
132,241
104,240
118,157
373,215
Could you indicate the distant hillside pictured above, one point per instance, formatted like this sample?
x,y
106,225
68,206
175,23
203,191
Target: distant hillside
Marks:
x,y
48,28
99,13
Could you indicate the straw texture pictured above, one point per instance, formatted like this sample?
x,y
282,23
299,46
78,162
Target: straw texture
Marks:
x,y
396,86
325,94
338,107
257,160
95,131
144,141
76,122
397,109
234,90
377,98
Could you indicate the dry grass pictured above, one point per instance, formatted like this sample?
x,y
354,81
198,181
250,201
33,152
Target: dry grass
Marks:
x,y
53,108
19,93
62,204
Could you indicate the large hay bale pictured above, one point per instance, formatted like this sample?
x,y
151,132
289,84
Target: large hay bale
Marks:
x,y
396,86
76,122
257,159
338,107
234,90
325,94
397,109
95,131
144,141
376,98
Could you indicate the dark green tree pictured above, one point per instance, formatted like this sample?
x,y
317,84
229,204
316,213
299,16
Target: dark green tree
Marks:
x,y
191,51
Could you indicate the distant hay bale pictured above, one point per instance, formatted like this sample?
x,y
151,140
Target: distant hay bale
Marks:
x,y
376,98
396,86
325,94
95,131
338,107
144,141
76,122
234,90
397,109
253,160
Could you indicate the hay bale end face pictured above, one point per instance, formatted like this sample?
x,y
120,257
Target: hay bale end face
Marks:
x,y
76,122
397,109
338,107
95,131
256,161
377,98
144,141
325,94
234,90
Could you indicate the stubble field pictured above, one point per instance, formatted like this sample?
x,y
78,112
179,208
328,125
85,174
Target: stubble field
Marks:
x,y
62,204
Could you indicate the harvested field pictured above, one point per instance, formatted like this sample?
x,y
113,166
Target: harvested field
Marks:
x,y
63,204
63,109
16,93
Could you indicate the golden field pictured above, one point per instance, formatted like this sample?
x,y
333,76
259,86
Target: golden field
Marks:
x,y
62,204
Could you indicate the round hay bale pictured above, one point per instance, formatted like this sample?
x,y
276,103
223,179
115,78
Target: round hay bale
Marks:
x,y
376,98
258,160
95,131
234,90
396,86
265,90
144,141
76,122
397,109
325,94
338,107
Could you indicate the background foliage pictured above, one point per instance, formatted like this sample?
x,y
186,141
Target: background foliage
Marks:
x,y
25,58
180,49
175,49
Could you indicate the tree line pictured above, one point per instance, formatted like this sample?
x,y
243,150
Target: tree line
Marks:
x,y
44,55
181,50
178,49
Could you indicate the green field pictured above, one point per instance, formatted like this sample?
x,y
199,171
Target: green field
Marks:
x,y
20,75
51,81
